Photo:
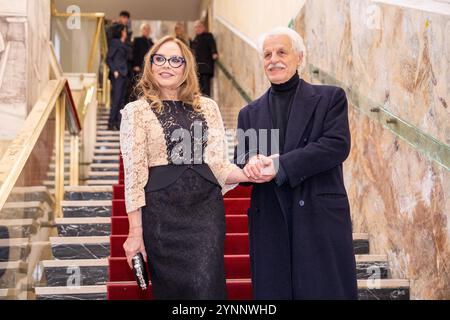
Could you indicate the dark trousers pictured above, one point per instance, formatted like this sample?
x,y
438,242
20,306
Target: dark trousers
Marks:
x,y
118,93
205,84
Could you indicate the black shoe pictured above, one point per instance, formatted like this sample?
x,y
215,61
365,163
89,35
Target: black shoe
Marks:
x,y
111,127
116,128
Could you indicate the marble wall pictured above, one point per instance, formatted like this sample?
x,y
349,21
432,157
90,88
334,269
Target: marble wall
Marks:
x,y
24,35
399,57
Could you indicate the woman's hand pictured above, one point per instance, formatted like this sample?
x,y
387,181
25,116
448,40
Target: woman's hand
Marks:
x,y
133,245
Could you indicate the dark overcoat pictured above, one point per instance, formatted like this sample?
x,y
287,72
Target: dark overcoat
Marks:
x,y
301,232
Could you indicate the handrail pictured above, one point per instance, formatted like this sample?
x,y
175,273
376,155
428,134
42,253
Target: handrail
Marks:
x,y
435,150
55,96
99,36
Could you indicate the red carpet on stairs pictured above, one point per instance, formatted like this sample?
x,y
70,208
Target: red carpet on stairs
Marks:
x,y
122,286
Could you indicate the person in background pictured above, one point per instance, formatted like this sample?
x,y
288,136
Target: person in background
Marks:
x,y
180,33
118,74
141,46
205,51
124,19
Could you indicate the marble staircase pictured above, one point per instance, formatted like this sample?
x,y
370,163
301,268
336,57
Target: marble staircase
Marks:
x,y
83,252
80,250
26,223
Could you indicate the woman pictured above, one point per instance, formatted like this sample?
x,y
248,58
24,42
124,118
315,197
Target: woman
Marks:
x,y
118,66
176,169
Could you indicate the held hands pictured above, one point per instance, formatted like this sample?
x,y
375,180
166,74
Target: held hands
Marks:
x,y
261,169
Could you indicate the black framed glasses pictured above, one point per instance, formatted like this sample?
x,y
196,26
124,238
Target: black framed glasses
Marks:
x,y
174,62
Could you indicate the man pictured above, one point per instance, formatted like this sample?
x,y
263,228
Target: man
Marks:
x,y
179,32
123,19
300,229
205,51
118,66
141,46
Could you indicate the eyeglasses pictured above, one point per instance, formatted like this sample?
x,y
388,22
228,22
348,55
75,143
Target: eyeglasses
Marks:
x,y
175,61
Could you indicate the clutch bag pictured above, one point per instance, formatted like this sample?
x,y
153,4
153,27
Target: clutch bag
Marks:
x,y
140,271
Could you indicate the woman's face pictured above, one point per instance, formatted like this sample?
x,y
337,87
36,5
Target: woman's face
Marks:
x,y
168,75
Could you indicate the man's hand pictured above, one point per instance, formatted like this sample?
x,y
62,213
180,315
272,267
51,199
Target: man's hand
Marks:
x,y
116,74
261,169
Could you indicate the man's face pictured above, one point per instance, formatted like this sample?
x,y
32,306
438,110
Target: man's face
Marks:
x,y
123,20
199,28
280,59
146,31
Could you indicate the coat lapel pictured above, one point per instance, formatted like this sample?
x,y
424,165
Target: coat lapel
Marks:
x,y
303,107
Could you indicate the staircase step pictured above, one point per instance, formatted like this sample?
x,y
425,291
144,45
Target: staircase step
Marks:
x,y
14,249
88,193
106,159
241,289
128,290
11,273
70,248
86,208
237,206
232,206
238,267
71,293
235,244
234,224
239,192
105,167
103,175
51,183
114,139
101,182
17,228
25,194
98,151
83,227
371,266
107,145
361,243
59,273
384,289
25,210
101,132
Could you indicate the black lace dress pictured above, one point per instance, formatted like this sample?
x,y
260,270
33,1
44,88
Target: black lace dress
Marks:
x,y
184,217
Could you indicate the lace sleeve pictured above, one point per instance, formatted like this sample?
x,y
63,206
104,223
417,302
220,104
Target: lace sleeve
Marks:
x,y
133,144
216,151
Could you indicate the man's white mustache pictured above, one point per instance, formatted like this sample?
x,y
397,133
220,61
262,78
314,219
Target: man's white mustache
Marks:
x,y
276,65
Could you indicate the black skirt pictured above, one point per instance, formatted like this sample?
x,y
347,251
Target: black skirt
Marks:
x,y
184,234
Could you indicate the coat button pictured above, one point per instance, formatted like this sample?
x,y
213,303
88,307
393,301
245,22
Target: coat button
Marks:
x,y
305,140
301,203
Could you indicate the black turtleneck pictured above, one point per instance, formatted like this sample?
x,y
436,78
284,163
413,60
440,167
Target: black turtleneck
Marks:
x,y
281,97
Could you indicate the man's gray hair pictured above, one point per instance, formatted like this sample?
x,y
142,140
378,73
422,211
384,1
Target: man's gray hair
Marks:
x,y
145,24
297,41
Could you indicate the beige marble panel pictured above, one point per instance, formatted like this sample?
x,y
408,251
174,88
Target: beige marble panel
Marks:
x,y
403,201
24,66
398,56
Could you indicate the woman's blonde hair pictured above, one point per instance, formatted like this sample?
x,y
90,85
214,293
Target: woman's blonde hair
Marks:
x,y
148,88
